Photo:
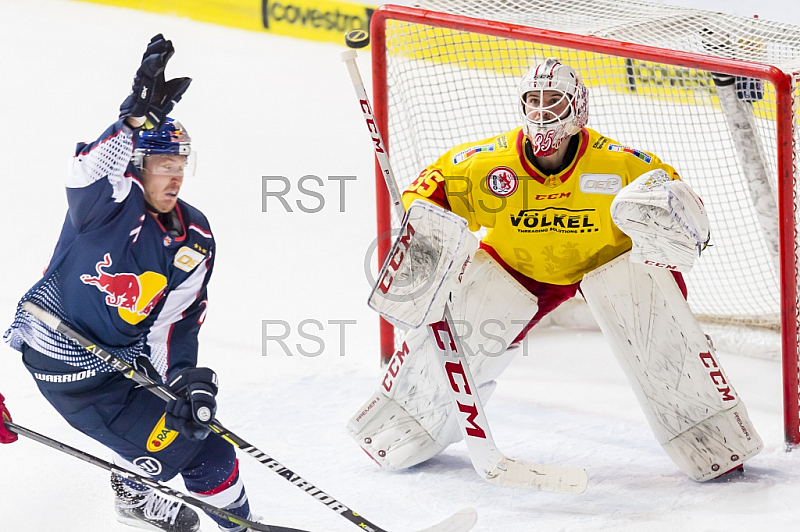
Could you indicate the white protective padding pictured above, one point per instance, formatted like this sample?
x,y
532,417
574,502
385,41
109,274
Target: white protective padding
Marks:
x,y
665,219
694,412
432,249
409,418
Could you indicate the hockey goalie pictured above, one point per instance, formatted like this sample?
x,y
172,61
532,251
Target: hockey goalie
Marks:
x,y
565,210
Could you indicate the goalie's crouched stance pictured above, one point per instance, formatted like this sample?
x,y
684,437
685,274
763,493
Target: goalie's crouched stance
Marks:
x,y
688,400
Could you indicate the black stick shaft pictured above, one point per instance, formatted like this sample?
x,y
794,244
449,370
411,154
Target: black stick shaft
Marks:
x,y
140,378
166,490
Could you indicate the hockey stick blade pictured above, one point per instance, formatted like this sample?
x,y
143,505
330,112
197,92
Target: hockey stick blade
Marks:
x,y
140,378
458,522
165,490
557,479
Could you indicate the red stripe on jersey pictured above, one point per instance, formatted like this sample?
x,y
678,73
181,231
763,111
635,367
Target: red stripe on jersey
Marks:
x,y
225,485
180,219
200,230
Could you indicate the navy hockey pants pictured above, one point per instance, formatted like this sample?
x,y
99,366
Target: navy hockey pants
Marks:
x,y
128,419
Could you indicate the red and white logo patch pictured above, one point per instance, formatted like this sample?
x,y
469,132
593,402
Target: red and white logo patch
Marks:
x,y
502,181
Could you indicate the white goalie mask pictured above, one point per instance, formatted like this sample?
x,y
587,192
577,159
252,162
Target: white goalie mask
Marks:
x,y
554,105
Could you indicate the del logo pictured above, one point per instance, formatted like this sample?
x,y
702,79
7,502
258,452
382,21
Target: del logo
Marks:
x,y
187,259
600,183
502,182
557,220
161,436
135,296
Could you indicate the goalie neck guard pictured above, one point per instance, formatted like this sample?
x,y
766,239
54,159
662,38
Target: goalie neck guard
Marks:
x,y
551,120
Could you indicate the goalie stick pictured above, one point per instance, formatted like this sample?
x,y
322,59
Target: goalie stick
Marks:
x,y
158,486
487,460
459,522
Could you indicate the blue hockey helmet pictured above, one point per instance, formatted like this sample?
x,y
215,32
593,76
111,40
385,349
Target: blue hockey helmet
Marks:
x,y
171,138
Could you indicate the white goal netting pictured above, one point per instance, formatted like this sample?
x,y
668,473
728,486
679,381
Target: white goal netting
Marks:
x,y
452,77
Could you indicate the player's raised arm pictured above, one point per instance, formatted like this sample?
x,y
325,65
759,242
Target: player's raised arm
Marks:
x,y
101,175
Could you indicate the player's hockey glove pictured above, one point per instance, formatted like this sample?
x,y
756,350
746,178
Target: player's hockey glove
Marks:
x,y
152,98
195,405
6,436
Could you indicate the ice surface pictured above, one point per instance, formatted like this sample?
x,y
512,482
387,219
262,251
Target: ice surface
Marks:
x,y
262,105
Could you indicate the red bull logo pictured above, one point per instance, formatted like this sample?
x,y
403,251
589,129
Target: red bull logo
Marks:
x,y
133,295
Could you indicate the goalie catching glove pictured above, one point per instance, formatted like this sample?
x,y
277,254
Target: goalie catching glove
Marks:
x,y
665,219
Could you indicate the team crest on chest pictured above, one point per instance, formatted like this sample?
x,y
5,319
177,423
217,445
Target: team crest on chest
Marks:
x,y
502,181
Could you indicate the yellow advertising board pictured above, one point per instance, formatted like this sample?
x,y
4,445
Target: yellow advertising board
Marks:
x,y
315,20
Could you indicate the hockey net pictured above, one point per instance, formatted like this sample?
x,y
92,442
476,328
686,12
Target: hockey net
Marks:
x,y
446,72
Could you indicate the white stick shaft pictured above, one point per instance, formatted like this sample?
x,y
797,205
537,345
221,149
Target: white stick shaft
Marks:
x,y
487,460
349,57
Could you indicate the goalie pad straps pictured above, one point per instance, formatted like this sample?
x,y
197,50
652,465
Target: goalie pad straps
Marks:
x,y
424,264
408,419
689,402
665,219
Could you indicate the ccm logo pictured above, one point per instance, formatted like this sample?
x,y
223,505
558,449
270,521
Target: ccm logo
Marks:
x,y
717,377
457,379
394,367
394,262
372,126
661,265
600,183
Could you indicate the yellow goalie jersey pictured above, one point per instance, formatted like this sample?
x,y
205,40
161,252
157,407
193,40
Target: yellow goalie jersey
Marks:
x,y
551,228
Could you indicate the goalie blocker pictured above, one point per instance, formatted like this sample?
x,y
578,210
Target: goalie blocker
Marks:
x,y
409,418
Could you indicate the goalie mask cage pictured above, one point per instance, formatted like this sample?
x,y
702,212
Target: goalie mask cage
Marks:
x,y
447,72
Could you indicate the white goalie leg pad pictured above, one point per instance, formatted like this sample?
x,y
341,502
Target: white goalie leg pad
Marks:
x,y
408,420
395,439
427,258
688,400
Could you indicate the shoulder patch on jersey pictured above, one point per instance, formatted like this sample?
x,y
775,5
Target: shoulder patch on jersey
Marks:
x,y
600,183
463,155
625,149
501,141
187,259
599,143
502,181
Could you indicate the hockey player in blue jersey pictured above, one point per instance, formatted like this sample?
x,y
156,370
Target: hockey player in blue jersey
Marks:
x,y
130,271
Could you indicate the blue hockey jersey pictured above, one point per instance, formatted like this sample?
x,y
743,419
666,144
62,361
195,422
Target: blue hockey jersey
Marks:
x,y
118,275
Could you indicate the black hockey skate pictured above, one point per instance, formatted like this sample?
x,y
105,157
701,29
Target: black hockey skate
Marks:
x,y
151,510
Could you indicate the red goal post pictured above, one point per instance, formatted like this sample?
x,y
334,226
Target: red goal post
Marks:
x,y
441,78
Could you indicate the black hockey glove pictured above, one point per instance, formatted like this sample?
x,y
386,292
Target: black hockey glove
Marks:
x,y
151,96
195,406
